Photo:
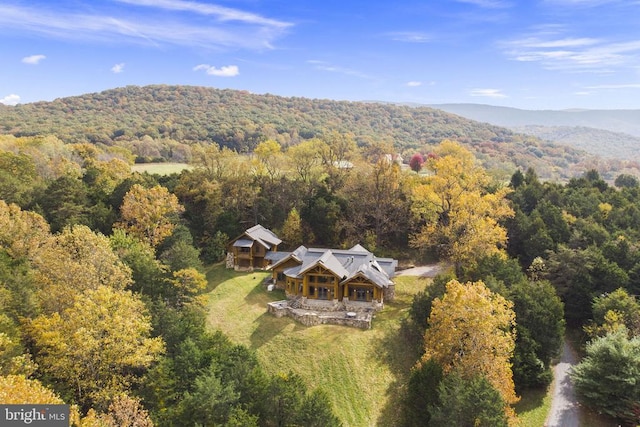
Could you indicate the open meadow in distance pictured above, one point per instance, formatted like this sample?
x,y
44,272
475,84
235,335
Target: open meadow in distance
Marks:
x,y
160,168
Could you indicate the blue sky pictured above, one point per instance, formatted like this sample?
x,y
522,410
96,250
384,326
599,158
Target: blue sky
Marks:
x,y
539,54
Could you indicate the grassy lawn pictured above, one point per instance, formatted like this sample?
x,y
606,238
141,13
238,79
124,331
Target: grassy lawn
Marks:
x,y
534,407
362,370
160,168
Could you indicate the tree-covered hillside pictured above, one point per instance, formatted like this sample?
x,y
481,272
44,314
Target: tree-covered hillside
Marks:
x,y
153,116
626,121
595,141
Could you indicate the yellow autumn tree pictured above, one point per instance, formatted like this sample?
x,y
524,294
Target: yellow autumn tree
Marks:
x,y
460,210
471,330
269,157
21,232
17,389
97,345
149,214
292,233
73,261
304,158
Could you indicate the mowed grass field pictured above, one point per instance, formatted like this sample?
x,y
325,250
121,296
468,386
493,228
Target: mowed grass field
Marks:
x,y
363,371
160,168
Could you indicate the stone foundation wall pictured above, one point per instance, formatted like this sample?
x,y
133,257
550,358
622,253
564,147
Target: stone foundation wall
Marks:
x,y
229,260
311,318
390,293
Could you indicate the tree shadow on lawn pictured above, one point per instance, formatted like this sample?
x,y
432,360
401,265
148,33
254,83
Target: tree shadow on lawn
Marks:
x,y
531,399
269,327
400,354
260,296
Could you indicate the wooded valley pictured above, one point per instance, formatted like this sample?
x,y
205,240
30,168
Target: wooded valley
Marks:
x,y
103,293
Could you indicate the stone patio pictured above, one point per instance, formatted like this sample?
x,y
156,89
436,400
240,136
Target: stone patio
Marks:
x,y
310,317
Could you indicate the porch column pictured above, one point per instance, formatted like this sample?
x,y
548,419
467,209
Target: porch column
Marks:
x,y
345,291
305,287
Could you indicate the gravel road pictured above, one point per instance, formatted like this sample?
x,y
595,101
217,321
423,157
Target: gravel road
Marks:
x,y
422,271
565,411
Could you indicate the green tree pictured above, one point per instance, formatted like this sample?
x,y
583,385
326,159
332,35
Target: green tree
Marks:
x,y
468,402
66,202
210,402
316,411
539,331
147,273
579,275
607,378
612,310
422,393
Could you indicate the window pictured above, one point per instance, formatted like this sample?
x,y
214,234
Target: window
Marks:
x,y
361,294
312,290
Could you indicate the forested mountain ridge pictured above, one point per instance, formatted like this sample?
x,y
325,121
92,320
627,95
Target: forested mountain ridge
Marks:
x,y
625,121
240,120
595,141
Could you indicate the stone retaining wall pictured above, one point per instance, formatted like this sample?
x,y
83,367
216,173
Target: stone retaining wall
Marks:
x,y
362,320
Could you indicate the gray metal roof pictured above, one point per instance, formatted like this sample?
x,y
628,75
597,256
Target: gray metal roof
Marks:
x,y
243,243
346,264
264,236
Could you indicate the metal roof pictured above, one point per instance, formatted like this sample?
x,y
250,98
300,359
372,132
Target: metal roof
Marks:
x,y
243,243
345,264
264,236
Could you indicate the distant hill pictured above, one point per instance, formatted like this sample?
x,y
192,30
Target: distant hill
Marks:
x,y
624,121
595,141
240,120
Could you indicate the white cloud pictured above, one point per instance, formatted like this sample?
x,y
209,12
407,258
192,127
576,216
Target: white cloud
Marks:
x,y
227,28
224,71
118,68
488,93
325,66
577,54
410,37
414,84
616,86
220,12
12,99
33,59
